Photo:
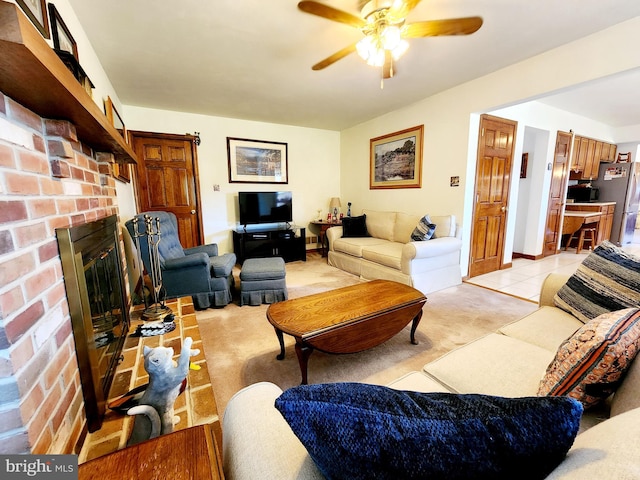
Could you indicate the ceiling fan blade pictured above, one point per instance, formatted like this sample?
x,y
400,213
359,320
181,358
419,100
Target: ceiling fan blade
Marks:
x,y
433,28
325,11
401,11
335,57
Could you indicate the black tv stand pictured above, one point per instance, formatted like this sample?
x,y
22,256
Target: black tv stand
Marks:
x,y
288,242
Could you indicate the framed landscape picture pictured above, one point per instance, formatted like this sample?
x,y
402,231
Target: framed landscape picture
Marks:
x,y
396,159
36,10
257,161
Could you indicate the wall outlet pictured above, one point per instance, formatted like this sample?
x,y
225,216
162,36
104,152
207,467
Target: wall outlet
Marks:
x,y
216,188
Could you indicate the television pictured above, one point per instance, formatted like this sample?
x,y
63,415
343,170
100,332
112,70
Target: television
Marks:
x,y
265,207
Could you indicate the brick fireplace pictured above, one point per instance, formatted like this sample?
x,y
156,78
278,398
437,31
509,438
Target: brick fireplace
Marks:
x,y
48,180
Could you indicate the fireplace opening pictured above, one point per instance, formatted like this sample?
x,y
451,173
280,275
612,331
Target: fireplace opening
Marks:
x,y
92,268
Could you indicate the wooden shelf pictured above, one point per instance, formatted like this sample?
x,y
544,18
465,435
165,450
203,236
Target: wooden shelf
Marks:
x,y
32,74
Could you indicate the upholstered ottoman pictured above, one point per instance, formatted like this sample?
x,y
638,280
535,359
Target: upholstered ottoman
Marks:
x,y
262,280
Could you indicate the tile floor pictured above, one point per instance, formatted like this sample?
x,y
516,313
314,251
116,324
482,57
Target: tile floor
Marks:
x,y
525,277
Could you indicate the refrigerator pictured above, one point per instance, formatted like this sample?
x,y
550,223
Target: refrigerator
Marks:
x,y
620,183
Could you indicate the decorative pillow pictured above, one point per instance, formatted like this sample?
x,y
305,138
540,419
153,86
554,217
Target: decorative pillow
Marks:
x,y
361,431
355,226
424,231
606,281
590,364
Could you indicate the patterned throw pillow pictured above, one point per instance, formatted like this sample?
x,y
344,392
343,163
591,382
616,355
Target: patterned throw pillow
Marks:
x,y
355,226
589,364
360,431
606,281
425,230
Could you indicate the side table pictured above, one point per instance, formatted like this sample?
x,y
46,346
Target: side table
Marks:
x,y
322,235
191,453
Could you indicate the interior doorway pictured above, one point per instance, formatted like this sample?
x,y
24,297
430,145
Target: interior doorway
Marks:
x,y
167,180
491,193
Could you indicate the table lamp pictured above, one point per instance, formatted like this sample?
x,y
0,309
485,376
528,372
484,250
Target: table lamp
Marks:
x,y
334,205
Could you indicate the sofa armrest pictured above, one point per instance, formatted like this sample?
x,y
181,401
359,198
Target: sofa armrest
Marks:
x,y
257,442
211,249
430,248
550,287
333,234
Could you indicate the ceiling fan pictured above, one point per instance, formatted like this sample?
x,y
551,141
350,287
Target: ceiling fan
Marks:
x,y
385,32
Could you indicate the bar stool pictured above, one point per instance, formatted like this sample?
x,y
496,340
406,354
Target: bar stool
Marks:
x,y
585,235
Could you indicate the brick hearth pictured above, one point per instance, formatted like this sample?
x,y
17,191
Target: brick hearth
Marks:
x,y
195,406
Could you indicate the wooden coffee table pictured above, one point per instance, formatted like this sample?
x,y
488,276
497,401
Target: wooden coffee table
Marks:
x,y
346,320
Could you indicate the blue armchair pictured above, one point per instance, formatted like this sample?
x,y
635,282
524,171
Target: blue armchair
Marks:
x,y
199,272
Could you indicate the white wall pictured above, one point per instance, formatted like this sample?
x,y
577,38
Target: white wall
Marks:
x,y
313,157
451,126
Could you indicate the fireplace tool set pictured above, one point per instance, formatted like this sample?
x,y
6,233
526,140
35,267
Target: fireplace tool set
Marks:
x,y
156,310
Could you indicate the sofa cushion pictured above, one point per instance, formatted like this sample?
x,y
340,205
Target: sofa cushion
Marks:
x,y
590,364
492,365
607,280
355,226
353,246
380,224
388,254
446,225
405,223
546,327
425,230
362,431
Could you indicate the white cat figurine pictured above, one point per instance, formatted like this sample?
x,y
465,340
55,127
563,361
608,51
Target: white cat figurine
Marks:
x,y
154,413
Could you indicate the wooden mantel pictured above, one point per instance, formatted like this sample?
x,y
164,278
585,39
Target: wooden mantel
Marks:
x,y
32,74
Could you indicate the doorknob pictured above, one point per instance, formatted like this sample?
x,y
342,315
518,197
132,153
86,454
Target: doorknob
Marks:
x,y
193,212
503,209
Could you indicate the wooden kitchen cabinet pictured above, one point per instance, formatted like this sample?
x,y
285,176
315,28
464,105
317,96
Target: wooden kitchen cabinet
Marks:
x,y
606,209
587,155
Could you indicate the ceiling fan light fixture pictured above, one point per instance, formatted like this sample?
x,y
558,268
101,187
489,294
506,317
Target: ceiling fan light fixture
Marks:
x,y
390,37
371,51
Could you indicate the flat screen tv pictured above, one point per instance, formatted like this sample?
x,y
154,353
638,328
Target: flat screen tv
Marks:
x,y
264,207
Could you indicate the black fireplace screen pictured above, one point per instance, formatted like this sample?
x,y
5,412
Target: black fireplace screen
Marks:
x,y
98,307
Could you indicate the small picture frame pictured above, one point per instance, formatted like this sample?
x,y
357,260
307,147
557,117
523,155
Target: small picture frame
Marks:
x,y
257,161
524,165
121,170
62,38
396,159
36,10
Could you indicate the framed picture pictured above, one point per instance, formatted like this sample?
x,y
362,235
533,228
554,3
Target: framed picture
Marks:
x,y
62,39
396,159
257,161
523,165
121,170
114,118
36,10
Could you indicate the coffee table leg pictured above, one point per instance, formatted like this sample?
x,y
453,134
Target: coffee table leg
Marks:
x,y
414,326
303,352
281,340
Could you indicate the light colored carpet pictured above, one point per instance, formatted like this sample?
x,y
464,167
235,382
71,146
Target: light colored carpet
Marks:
x,y
241,346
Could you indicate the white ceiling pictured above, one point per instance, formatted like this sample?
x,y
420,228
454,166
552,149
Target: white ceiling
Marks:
x,y
251,59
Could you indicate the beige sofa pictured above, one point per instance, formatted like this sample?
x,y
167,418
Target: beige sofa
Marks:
x,y
390,254
258,443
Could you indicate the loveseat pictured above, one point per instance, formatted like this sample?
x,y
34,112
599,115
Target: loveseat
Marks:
x,y
259,443
388,252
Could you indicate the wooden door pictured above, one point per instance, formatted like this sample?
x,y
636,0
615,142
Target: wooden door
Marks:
x,y
493,174
555,210
167,180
